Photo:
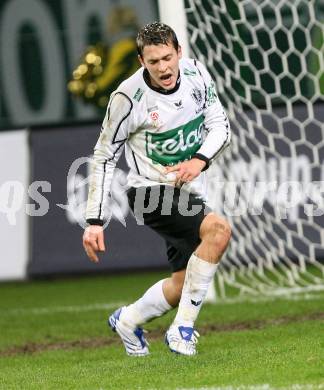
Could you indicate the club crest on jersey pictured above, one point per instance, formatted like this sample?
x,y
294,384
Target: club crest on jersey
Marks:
x,y
197,97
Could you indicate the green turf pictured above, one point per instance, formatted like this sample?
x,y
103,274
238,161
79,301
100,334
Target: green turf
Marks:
x,y
53,338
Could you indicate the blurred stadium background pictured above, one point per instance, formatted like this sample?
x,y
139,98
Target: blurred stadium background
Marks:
x,y
59,61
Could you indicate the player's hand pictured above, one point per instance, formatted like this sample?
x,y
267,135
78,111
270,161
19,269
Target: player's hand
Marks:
x,y
93,241
186,171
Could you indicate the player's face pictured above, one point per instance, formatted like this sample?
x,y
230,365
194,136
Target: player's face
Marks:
x,y
162,63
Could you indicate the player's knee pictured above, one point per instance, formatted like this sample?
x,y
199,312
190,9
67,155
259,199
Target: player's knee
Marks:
x,y
216,231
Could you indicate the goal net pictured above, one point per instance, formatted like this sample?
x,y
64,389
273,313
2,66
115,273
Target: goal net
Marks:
x,y
266,57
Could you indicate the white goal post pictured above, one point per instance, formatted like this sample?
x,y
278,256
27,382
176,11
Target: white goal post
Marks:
x,y
266,57
172,12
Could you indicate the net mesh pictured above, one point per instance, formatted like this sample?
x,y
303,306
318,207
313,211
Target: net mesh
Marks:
x,y
267,60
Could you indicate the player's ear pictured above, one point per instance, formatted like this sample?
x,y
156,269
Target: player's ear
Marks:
x,y
140,59
179,52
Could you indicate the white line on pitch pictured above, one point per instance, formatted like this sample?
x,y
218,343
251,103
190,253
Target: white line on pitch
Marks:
x,y
262,299
260,387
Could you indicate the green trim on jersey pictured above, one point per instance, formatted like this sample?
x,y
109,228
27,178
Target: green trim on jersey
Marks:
x,y
176,145
189,72
138,94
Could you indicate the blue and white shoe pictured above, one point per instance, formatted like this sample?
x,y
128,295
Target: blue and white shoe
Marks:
x,y
133,339
182,340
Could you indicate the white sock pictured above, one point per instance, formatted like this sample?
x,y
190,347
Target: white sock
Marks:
x,y
152,304
199,274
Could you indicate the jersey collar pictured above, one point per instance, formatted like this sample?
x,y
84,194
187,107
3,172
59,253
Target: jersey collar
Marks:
x,y
147,80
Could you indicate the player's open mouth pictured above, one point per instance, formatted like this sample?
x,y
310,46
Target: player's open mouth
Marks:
x,y
166,79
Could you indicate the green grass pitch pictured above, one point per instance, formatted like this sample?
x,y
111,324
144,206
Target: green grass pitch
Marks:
x,y
54,336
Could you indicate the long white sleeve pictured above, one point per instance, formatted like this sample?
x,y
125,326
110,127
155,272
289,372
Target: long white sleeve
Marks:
x,y
115,130
216,122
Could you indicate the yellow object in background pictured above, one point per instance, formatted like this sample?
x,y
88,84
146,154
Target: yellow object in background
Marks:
x,y
103,67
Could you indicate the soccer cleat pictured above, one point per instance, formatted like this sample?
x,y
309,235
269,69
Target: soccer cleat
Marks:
x,y
182,339
133,340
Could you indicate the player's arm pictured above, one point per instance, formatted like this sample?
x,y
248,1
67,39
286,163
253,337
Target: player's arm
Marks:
x,y
218,135
216,122
114,133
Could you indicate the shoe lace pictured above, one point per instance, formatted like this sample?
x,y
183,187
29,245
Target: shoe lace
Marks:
x,y
194,337
140,334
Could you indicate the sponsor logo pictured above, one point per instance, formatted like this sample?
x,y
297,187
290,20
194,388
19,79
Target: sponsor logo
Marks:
x,y
178,104
189,72
138,94
154,116
173,146
196,303
211,94
185,332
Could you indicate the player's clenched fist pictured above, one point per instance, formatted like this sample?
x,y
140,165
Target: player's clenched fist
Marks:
x,y
93,241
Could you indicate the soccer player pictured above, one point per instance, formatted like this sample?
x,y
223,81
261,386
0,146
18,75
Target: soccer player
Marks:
x,y
172,124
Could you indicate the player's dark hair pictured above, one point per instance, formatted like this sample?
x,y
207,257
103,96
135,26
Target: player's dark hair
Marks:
x,y
155,33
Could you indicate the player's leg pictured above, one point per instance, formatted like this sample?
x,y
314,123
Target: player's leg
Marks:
x,y
215,234
172,287
192,235
155,302
182,236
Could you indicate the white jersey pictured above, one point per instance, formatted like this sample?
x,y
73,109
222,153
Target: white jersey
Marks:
x,y
158,129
